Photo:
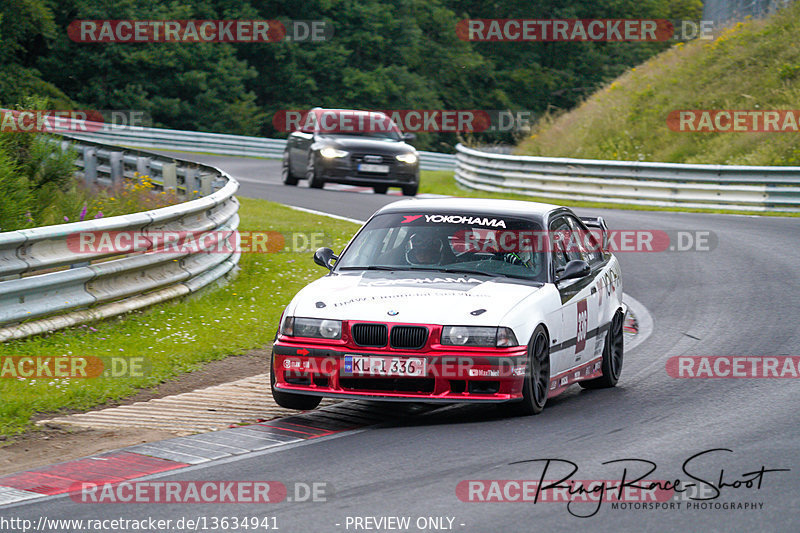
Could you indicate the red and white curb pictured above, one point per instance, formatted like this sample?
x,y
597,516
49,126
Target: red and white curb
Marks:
x,y
173,454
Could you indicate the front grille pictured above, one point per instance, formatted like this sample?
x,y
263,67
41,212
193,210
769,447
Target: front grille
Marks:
x,y
409,337
422,385
369,334
373,159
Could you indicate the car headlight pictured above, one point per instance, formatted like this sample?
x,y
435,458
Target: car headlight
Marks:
x,y
408,158
478,336
312,327
329,152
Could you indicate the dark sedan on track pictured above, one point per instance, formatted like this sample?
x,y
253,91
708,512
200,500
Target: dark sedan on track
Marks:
x,y
354,147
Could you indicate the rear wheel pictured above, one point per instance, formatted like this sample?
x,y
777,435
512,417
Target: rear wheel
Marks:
x,y
612,356
410,190
537,378
286,171
380,189
314,181
287,399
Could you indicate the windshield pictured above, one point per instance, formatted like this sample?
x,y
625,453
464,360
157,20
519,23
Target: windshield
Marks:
x,y
492,245
345,123
385,135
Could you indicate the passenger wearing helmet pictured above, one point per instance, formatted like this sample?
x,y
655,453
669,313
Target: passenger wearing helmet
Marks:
x,y
424,248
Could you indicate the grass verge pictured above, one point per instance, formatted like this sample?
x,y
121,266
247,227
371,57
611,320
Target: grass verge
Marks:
x,y
752,65
175,337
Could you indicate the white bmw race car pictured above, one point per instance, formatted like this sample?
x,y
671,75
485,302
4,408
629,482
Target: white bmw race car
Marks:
x,y
456,300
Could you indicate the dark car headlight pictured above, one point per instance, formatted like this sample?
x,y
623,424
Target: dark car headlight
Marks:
x,y
329,152
408,159
478,336
315,328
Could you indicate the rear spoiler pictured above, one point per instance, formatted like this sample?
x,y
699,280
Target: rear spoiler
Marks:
x,y
598,223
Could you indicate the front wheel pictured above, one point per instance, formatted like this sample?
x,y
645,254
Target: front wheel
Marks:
x,y
537,378
314,181
410,190
380,189
286,171
288,400
612,356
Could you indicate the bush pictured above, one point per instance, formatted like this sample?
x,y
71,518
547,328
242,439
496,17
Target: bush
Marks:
x,y
16,199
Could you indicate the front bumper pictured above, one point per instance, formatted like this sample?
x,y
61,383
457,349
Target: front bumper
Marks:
x,y
452,375
345,170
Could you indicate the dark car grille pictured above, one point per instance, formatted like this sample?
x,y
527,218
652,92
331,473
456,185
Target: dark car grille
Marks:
x,y
373,158
369,334
409,337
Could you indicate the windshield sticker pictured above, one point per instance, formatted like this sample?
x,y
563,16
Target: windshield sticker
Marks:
x,y
457,219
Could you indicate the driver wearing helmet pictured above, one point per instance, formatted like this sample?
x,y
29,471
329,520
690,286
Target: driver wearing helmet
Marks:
x,y
526,258
424,249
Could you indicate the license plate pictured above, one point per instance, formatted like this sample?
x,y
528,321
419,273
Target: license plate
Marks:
x,y
378,169
364,365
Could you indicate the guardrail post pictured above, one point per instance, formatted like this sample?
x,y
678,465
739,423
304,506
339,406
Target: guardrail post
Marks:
x,y
205,184
115,162
90,165
169,175
143,166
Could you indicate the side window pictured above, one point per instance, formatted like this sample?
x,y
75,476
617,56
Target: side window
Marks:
x,y
589,247
559,236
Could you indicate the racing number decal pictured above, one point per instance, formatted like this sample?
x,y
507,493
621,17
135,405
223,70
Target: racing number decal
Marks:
x,y
583,326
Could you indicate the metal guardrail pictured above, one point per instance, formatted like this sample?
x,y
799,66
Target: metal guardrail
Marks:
x,y
721,187
217,143
43,275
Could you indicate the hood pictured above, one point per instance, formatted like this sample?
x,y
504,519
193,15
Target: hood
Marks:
x,y
365,144
411,297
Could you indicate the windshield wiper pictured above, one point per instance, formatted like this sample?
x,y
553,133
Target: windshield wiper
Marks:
x,y
372,267
406,268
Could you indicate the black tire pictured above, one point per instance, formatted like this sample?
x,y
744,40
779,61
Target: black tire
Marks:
x,y
286,171
314,181
380,189
537,378
410,190
612,356
287,399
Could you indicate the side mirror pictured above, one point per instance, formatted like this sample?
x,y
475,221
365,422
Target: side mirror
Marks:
x,y
324,256
409,136
575,269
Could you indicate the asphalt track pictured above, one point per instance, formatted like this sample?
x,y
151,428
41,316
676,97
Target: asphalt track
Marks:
x,y
742,298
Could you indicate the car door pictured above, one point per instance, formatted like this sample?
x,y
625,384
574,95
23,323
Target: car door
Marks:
x,y
575,347
596,305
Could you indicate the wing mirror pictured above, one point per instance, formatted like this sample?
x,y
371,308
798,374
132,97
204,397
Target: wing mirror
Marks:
x,y
324,256
575,269
409,136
